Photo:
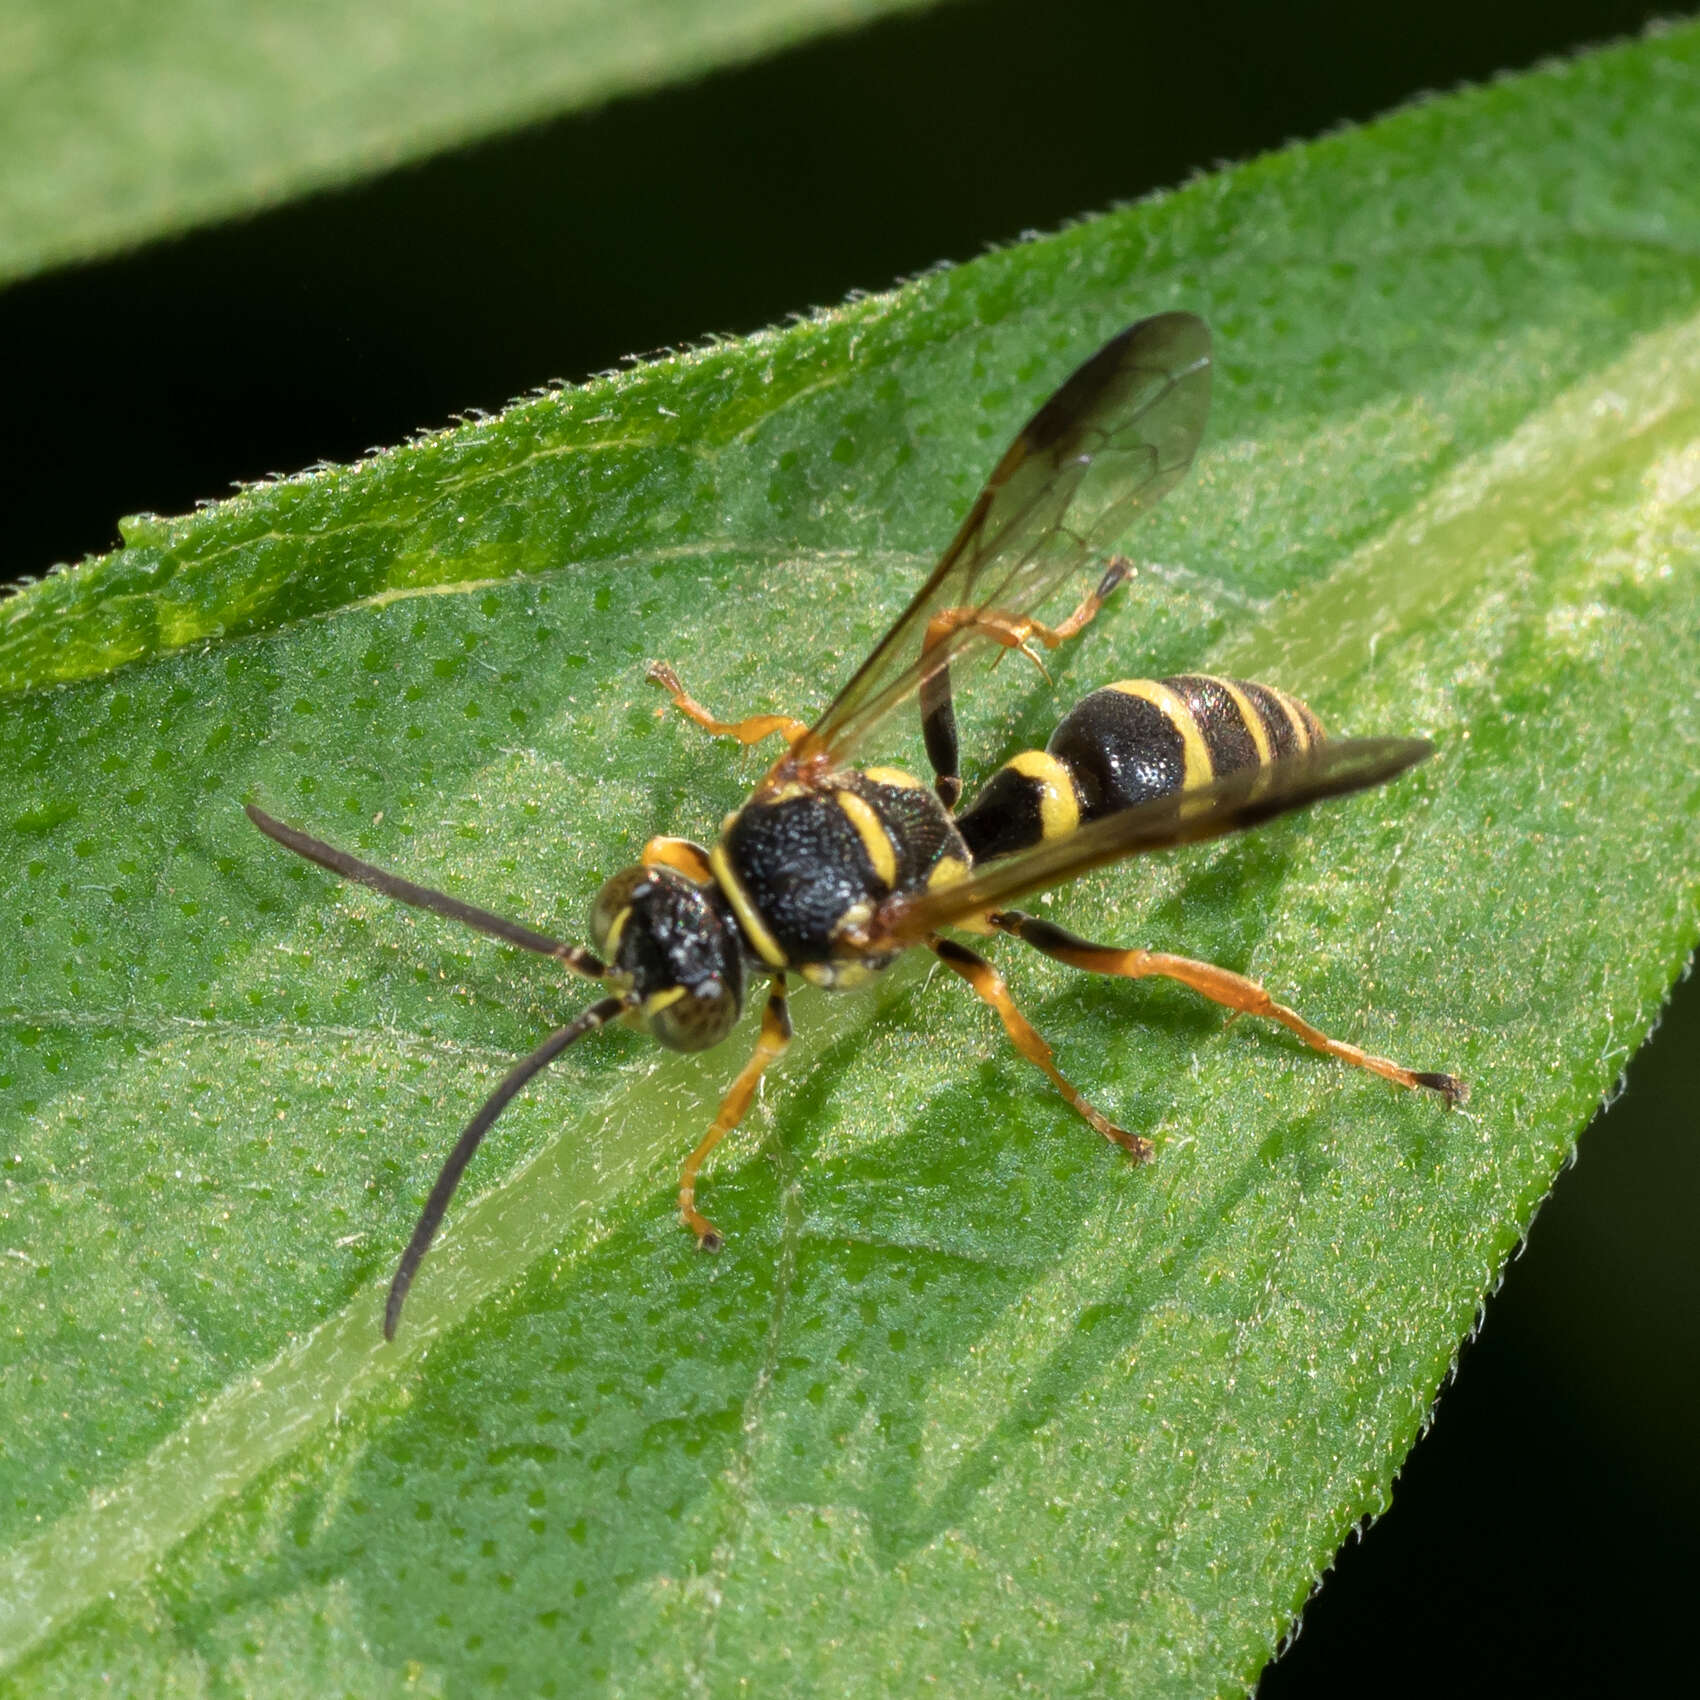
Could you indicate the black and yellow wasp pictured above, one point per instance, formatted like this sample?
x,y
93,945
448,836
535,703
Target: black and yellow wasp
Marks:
x,y
830,871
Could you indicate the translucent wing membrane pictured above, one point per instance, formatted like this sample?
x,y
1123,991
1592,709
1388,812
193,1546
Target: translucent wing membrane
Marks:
x,y
1243,799
1118,434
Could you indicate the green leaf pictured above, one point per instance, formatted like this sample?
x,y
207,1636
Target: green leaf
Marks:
x,y
117,126
966,1398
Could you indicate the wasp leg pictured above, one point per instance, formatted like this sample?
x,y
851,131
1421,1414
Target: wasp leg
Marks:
x,y
682,856
1119,568
748,731
775,1036
938,714
989,984
1221,985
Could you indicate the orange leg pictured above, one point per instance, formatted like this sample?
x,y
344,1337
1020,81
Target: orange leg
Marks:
x,y
749,731
938,711
989,984
1020,631
1119,567
1221,985
775,1036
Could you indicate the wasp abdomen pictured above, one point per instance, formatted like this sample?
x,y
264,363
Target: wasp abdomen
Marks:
x,y
1129,743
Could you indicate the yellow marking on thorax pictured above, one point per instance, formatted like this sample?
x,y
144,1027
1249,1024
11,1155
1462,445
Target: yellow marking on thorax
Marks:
x,y
953,870
1254,726
755,929
1059,807
1197,768
946,872
787,791
893,776
679,854
658,1001
871,830
857,915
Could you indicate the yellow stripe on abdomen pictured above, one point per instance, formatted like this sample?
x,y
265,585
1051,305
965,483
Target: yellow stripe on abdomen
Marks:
x,y
1059,808
1198,769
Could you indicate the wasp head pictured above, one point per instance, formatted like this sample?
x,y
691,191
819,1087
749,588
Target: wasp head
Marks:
x,y
675,946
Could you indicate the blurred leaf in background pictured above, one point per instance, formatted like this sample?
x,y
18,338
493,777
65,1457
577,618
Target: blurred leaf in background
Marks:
x,y
123,123
992,1411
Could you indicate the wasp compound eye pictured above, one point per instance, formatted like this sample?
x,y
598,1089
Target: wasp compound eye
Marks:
x,y
691,1018
612,909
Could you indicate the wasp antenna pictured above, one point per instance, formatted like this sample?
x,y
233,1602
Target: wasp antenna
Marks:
x,y
422,896
448,1177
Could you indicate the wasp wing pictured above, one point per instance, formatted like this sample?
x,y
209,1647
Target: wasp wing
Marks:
x,y
1239,800
1114,438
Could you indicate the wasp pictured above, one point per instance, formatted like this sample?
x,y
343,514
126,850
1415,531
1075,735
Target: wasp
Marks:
x,y
830,870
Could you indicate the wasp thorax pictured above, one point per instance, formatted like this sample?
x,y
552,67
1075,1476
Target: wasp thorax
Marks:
x,y
671,943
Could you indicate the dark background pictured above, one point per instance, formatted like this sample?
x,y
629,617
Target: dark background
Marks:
x,y
1543,1536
